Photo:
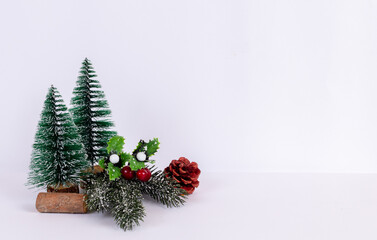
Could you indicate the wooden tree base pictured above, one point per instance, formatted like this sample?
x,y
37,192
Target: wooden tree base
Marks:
x,y
95,170
73,188
61,203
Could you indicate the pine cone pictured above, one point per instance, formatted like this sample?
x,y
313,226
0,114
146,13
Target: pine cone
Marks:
x,y
185,173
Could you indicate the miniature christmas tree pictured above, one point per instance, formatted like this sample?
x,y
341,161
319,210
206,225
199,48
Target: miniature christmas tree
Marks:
x,y
91,113
58,155
119,188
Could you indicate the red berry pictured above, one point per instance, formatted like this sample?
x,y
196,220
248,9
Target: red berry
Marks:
x,y
127,173
143,174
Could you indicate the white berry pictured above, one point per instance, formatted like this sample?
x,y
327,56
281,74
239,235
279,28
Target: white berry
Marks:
x,y
141,156
114,158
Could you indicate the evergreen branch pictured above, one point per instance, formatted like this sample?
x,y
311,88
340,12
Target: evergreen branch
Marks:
x,y
128,209
97,189
163,190
122,198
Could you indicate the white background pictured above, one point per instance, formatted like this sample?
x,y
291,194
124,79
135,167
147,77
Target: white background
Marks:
x,y
233,85
251,86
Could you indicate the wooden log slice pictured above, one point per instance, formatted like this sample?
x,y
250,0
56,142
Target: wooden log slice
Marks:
x,y
61,203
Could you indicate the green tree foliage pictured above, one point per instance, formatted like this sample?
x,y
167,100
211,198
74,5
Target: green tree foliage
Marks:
x,y
91,113
58,155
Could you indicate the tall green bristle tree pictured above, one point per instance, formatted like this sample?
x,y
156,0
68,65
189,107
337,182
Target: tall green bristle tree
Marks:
x,y
91,113
58,155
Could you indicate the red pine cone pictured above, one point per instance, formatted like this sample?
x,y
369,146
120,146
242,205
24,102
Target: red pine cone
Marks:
x,y
185,173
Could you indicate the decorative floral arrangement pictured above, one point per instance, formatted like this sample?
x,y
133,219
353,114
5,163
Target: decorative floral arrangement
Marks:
x,y
68,144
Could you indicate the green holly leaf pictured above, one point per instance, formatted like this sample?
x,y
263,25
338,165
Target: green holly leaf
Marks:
x,y
152,147
101,163
140,147
135,164
115,144
114,172
125,157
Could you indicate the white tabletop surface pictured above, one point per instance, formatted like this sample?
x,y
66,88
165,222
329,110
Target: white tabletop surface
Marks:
x,y
225,206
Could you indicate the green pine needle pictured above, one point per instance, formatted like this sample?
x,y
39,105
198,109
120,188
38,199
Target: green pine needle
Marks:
x,y
58,155
91,113
123,198
163,190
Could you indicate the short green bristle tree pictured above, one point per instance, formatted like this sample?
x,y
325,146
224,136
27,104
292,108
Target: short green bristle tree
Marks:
x,y
91,113
58,155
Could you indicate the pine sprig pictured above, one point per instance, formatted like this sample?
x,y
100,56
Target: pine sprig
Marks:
x,y
123,198
163,190
128,209
97,191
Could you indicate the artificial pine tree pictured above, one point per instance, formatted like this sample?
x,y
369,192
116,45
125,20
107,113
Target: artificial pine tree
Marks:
x,y
91,113
58,155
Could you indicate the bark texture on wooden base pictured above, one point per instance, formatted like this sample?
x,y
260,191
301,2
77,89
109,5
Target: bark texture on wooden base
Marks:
x,y
61,203
64,189
95,169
